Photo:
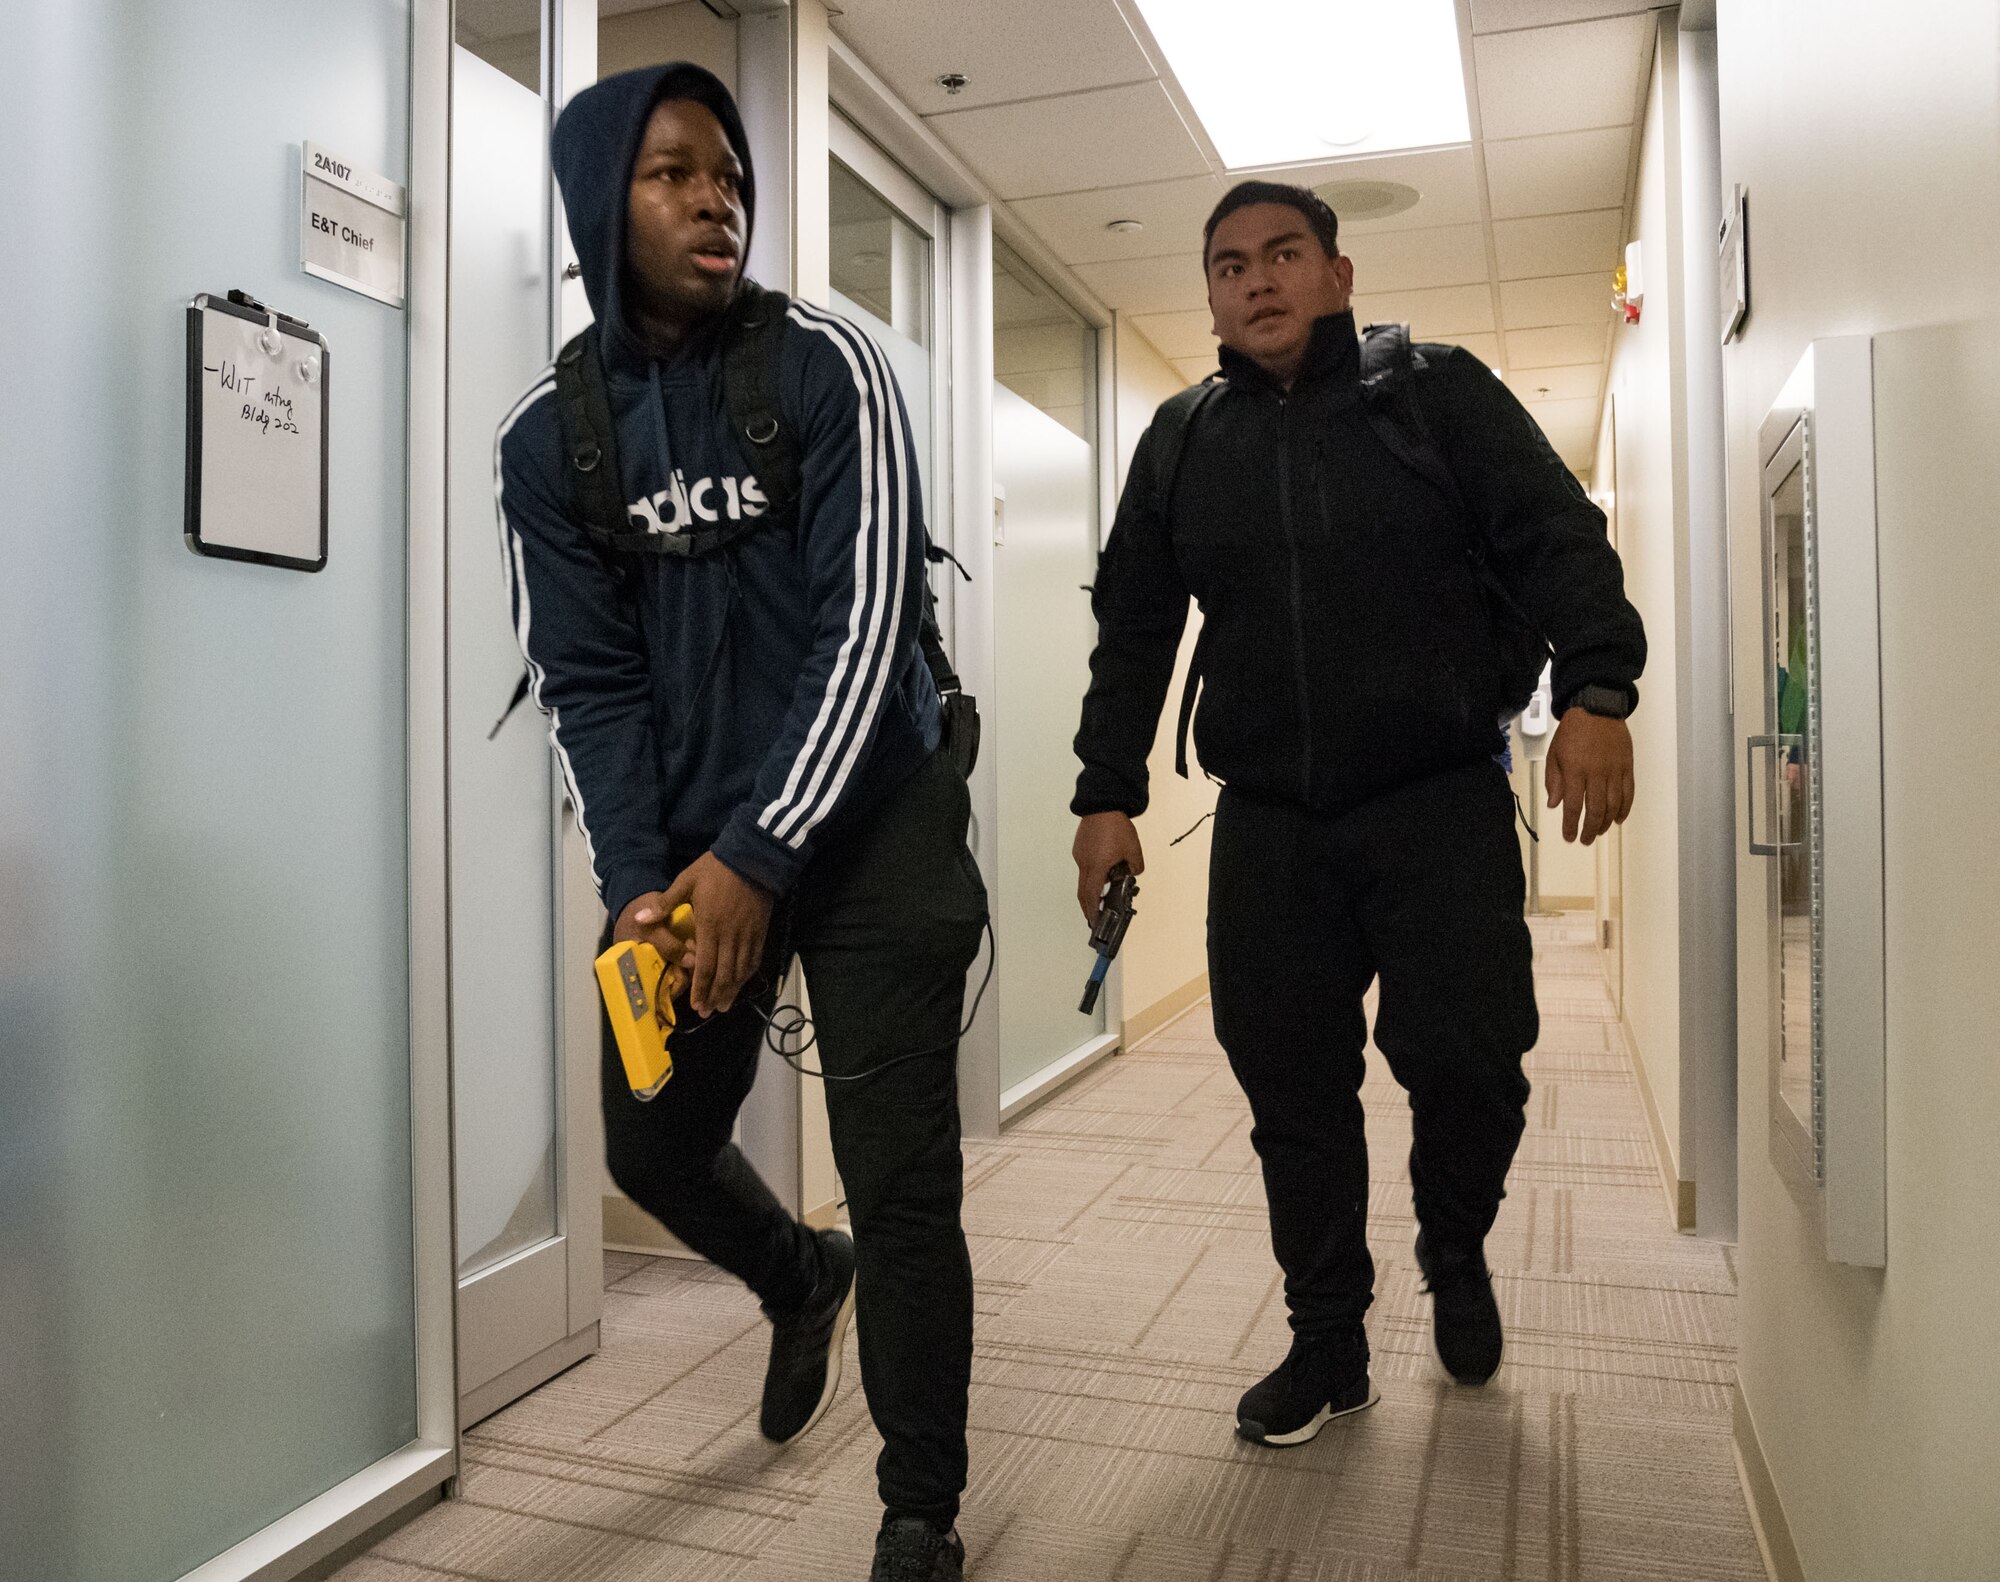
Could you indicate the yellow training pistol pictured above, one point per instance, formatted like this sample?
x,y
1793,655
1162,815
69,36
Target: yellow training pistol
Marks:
x,y
639,989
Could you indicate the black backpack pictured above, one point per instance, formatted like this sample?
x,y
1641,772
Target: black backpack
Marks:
x,y
753,333
1389,364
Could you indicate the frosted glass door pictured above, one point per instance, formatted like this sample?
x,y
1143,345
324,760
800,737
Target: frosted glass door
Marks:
x,y
207,1308
502,805
1043,632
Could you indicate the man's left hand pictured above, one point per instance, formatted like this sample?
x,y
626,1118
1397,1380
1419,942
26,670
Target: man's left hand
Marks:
x,y
1589,773
731,917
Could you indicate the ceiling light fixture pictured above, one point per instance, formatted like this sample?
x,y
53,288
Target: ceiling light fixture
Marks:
x,y
1261,75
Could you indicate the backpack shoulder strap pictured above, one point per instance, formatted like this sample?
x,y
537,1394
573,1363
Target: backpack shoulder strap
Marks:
x,y
589,439
1170,425
1172,422
752,377
1389,375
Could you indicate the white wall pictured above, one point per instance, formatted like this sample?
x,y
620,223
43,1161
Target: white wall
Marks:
x,y
1650,509
1165,958
1869,142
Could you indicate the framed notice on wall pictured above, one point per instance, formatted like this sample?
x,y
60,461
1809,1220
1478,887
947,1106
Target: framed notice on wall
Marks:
x,y
256,434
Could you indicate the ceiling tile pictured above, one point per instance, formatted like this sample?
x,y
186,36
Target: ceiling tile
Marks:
x,y
1555,299
1446,179
1194,369
1555,175
1113,137
1559,244
1178,334
1148,285
1562,79
1575,382
1172,213
1454,255
1025,49
1565,418
1501,16
1485,347
1560,346
1433,315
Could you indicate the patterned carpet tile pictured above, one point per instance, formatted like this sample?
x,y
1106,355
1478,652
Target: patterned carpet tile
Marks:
x,y
1126,1297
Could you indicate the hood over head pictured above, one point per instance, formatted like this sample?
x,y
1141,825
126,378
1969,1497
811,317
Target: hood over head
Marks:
x,y
595,145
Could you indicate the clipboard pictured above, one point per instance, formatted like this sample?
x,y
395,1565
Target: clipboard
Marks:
x,y
257,429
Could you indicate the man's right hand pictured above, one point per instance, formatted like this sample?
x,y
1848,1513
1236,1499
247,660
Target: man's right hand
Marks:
x,y
1103,840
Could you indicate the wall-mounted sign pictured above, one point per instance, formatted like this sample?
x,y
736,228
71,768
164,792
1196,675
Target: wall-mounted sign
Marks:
x,y
351,226
1735,265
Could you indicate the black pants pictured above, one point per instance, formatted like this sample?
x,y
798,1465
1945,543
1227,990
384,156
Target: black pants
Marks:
x,y
886,921
1423,888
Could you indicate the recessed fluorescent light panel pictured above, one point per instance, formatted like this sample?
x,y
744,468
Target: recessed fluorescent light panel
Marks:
x,y
1290,82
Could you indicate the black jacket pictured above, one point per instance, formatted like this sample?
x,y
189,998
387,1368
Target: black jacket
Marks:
x,y
1347,646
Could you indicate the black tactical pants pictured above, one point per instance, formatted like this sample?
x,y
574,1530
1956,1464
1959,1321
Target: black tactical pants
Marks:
x,y
1422,888
886,921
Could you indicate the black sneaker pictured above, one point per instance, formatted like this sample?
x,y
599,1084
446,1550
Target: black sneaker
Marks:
x,y
1319,1380
910,1549
806,1347
1465,1320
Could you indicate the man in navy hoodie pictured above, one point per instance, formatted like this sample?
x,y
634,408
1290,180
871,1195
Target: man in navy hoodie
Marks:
x,y
754,731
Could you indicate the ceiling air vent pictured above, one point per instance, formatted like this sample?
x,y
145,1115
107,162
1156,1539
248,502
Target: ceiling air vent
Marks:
x,y
1356,201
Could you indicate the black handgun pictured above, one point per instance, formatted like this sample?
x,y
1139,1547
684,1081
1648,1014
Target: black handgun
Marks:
x,y
1114,916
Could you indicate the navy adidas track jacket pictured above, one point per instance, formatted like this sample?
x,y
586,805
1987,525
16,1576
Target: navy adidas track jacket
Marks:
x,y
755,699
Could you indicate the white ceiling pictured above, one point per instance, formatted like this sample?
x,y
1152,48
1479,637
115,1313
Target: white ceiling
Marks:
x,y
1509,250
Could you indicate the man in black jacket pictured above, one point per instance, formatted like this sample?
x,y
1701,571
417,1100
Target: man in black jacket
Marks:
x,y
1354,671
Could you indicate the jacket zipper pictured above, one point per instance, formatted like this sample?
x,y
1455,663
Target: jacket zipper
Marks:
x,y
1298,597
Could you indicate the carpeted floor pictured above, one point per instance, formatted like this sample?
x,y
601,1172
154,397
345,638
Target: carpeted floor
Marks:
x,y
1126,1297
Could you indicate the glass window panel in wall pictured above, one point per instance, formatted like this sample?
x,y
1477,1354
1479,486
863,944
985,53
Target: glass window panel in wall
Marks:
x,y
1043,350
1044,558
881,272
506,34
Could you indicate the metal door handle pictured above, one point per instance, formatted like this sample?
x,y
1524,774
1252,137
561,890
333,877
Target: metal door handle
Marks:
x,y
1751,744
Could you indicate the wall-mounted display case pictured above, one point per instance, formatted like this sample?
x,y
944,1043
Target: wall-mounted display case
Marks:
x,y
1813,778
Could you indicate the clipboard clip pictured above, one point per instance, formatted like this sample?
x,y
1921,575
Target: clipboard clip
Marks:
x,y
277,326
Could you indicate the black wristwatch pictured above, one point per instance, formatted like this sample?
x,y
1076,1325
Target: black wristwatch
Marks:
x,y
1610,703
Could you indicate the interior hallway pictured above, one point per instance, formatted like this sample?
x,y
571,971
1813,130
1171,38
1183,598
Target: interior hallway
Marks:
x,y
1126,1297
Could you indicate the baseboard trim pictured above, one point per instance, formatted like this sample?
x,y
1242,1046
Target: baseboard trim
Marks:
x,y
1046,1083
629,1228
1680,1193
1760,1493
825,1217
1163,1010
479,1404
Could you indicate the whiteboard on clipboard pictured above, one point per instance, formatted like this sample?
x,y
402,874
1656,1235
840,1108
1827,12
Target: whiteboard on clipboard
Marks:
x,y
256,435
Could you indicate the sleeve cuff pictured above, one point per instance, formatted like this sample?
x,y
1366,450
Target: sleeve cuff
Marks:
x,y
624,885
757,856
1100,791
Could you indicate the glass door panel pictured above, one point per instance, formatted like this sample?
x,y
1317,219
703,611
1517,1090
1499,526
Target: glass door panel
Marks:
x,y
502,803
1044,559
207,1275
